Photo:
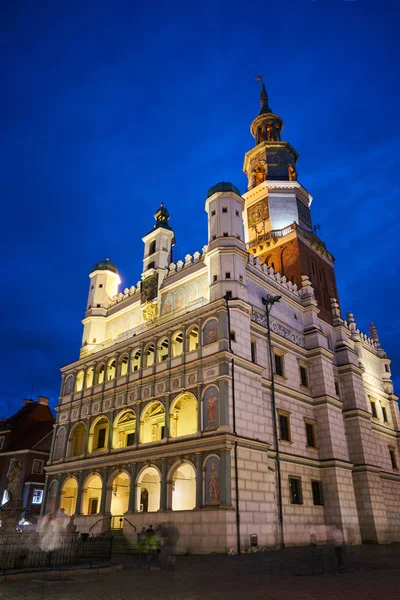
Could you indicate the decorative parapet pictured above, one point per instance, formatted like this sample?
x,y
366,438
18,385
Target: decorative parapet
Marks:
x,y
128,292
278,327
270,274
189,260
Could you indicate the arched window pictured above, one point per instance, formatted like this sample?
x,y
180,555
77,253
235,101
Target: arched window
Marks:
x,y
98,437
148,490
79,381
183,415
152,423
89,377
59,445
149,355
91,495
120,494
68,496
152,247
177,343
111,369
193,338
183,487
123,364
101,369
77,440
68,385
124,430
135,360
163,347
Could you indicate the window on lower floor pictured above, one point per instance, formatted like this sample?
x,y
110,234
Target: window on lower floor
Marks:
x,y
92,508
317,493
393,457
373,408
296,493
102,438
311,434
304,376
284,426
253,351
37,496
278,364
37,466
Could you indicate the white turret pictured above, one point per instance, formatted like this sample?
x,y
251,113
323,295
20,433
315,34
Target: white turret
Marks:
x,y
158,245
226,254
104,282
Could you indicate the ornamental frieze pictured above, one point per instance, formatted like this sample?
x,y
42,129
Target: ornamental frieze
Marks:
x,y
286,332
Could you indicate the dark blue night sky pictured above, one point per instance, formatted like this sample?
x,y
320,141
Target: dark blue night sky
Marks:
x,y
109,108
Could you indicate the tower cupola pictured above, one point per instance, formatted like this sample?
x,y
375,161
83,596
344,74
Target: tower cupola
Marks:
x,y
158,243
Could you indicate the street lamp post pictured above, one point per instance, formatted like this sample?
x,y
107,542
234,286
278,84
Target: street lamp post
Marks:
x,y
269,302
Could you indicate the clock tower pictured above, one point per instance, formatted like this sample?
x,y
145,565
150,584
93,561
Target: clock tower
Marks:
x,y
277,218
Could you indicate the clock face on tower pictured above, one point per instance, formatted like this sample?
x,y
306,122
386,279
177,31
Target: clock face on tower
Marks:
x,y
258,212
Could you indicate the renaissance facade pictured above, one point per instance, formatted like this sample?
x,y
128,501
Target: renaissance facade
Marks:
x,y
172,412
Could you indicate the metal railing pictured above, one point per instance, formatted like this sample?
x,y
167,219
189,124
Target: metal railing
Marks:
x,y
98,521
30,550
117,522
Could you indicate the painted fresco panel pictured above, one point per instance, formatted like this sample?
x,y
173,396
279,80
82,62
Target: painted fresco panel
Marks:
x,y
211,408
212,490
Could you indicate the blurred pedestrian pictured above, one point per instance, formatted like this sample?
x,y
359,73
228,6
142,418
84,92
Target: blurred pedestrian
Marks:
x,y
317,560
338,544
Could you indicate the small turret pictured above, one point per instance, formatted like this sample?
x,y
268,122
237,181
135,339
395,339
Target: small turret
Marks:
x,y
104,282
158,243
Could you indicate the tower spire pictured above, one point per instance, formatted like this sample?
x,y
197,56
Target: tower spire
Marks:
x,y
265,109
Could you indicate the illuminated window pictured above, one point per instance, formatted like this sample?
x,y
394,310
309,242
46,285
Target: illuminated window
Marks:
x,y
37,497
5,497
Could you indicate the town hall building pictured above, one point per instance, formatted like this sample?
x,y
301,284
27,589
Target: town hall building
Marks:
x,y
226,393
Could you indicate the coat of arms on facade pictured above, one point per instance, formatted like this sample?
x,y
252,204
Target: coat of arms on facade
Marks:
x,y
149,288
258,212
150,311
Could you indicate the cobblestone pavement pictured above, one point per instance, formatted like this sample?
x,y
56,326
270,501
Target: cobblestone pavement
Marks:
x,y
272,576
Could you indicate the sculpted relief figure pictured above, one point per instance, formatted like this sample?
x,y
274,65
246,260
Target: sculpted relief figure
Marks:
x,y
292,173
212,407
14,486
270,132
213,484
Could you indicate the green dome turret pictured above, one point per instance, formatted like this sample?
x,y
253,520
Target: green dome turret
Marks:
x,y
223,186
105,265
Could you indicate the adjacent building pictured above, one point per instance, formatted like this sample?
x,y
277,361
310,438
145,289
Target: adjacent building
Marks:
x,y
172,412
27,435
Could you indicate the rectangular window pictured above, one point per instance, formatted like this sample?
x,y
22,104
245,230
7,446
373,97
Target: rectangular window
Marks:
x,y
304,376
228,294
93,503
227,275
213,213
393,458
317,493
233,336
2,438
101,440
337,388
130,439
387,368
253,346
37,496
37,466
284,427
311,435
100,285
225,234
296,494
373,408
215,277
278,364
237,213
224,209
384,413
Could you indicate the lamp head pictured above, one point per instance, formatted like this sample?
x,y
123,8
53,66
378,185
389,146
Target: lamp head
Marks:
x,y
270,300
